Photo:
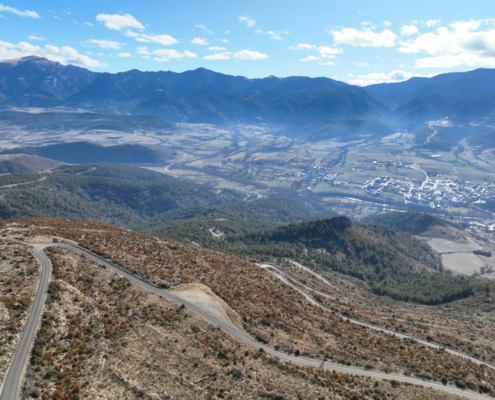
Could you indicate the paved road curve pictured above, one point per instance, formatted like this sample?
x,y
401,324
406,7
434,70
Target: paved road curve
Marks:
x,y
12,379
13,376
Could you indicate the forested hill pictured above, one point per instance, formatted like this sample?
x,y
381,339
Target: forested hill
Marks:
x,y
113,193
195,223
391,262
414,223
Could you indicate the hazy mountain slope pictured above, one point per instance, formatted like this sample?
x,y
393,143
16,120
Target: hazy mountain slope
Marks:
x,y
38,82
454,85
420,110
85,152
64,121
24,163
479,106
352,129
107,192
485,140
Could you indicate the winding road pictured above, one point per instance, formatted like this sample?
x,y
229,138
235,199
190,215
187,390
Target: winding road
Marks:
x,y
289,277
14,374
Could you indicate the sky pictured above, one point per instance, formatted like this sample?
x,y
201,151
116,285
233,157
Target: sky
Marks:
x,y
361,42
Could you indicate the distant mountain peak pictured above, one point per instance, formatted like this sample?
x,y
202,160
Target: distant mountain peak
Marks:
x,y
42,60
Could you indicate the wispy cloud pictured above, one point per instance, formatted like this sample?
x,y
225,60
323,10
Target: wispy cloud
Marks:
x,y
218,56
202,42
213,48
165,54
64,55
106,44
249,22
364,38
165,40
36,38
250,55
272,34
125,55
302,46
310,58
201,26
25,13
119,21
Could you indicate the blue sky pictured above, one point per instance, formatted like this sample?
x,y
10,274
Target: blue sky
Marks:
x,y
360,42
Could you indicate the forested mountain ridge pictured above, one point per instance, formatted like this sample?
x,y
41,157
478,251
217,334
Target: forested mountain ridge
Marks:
x,y
203,224
113,193
391,262
313,109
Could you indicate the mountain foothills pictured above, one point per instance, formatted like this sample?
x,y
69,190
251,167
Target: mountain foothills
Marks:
x,y
311,108
103,335
120,194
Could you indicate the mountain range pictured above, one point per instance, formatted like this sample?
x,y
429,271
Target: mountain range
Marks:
x,y
309,108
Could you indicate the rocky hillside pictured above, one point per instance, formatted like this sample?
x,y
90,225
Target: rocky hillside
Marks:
x,y
104,336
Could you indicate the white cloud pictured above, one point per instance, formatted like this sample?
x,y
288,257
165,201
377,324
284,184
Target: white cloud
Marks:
x,y
218,56
327,63
302,47
213,48
100,54
143,50
202,42
106,44
462,43
362,65
250,55
387,23
378,77
328,52
57,17
66,12
227,32
201,26
89,52
167,54
165,40
125,55
249,22
224,41
25,13
310,58
64,55
408,30
88,24
118,21
36,38
272,34
364,38
433,22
